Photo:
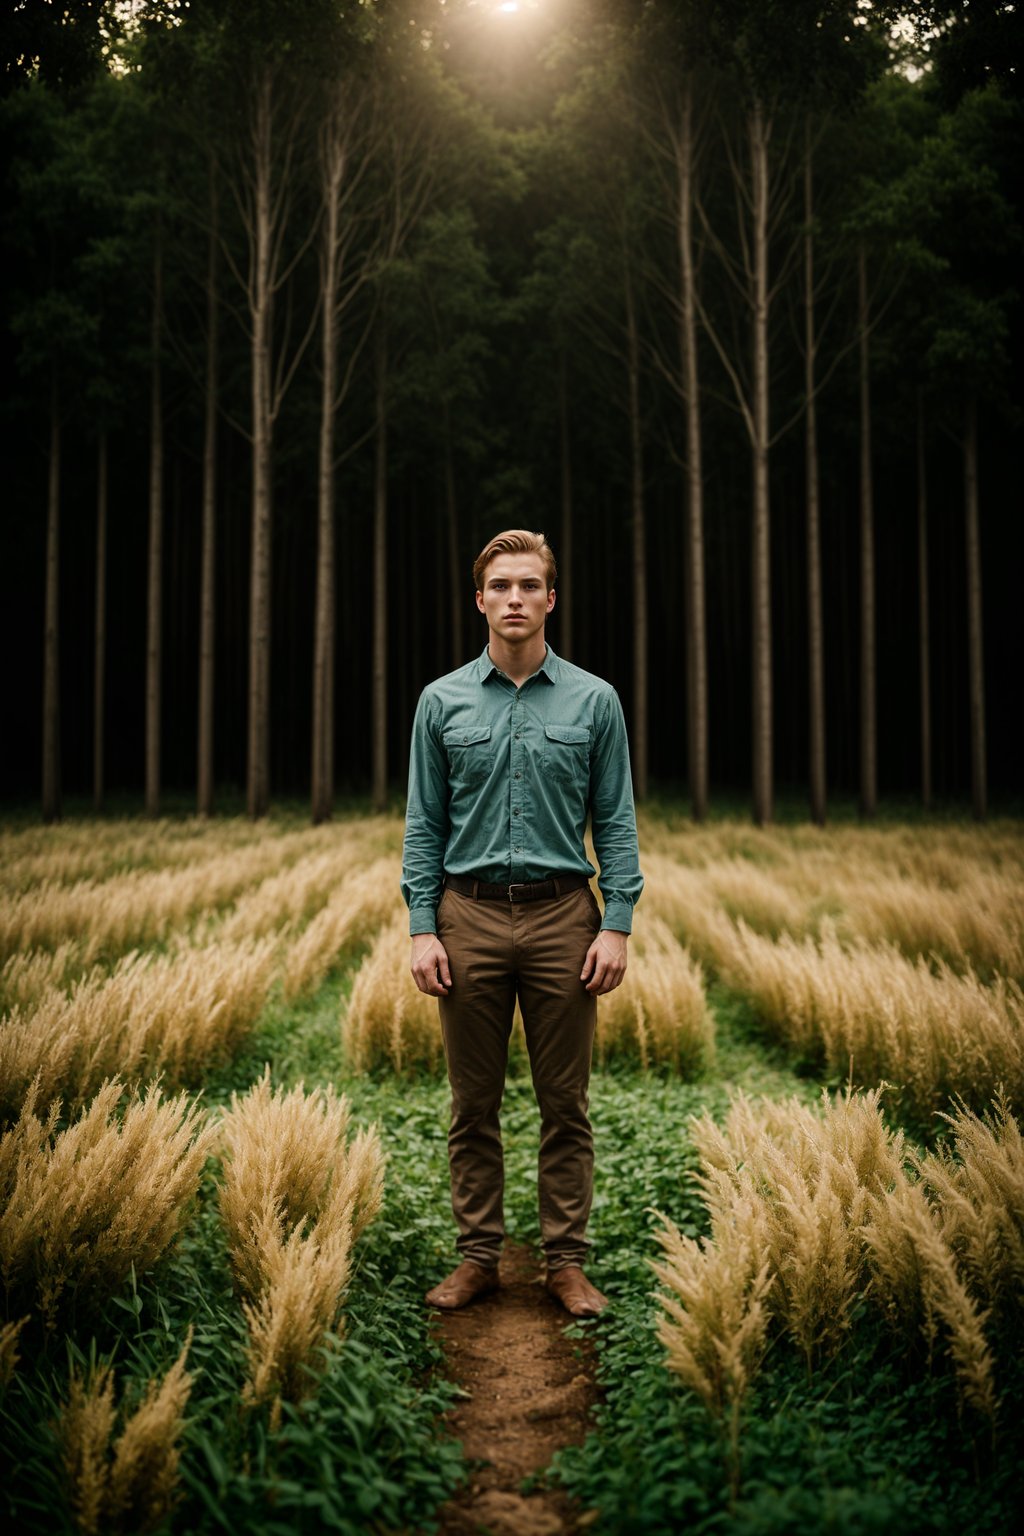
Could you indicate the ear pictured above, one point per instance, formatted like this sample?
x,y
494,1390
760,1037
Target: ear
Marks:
x,y
480,602
551,601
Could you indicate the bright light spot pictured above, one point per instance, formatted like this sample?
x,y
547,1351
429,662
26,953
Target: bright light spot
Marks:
x,y
509,6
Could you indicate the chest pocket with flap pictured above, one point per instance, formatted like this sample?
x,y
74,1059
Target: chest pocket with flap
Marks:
x,y
470,754
567,753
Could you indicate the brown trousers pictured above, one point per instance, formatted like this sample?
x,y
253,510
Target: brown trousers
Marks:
x,y
498,950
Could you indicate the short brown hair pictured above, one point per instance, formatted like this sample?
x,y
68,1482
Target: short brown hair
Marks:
x,y
515,541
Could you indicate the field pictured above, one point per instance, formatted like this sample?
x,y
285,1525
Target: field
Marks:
x,y
223,1185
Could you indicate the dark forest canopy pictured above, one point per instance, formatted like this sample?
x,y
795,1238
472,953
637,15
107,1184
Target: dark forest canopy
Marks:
x,y
306,300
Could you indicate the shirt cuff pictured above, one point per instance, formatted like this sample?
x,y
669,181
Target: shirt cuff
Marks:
x,y
618,915
422,920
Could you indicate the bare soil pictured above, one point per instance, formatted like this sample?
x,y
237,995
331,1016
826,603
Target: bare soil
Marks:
x,y
529,1391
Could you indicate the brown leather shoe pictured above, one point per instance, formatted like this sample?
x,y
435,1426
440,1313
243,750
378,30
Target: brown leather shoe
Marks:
x,y
570,1286
462,1286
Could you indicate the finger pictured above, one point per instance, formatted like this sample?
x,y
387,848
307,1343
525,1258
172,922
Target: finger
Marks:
x,y
589,962
595,984
611,974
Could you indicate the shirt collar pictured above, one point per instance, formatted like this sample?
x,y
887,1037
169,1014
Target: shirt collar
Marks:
x,y
549,668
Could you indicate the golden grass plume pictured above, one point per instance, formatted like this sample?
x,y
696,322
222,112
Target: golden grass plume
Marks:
x,y
296,1192
925,1029
139,907
842,1214
811,1176
172,1014
362,903
977,1185
9,1336
80,1207
659,1013
125,1484
917,1283
388,1020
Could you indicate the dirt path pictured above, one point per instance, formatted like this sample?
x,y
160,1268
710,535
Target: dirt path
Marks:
x,y
530,1393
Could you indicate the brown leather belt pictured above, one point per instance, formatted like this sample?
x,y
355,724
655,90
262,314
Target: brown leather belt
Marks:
x,y
530,890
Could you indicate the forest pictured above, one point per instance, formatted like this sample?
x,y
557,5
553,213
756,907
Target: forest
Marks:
x,y
305,300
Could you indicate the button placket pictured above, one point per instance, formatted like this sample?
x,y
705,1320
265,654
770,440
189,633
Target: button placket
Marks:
x,y
517,761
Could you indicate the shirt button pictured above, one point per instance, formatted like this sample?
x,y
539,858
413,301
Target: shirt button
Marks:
x,y
517,774
515,811
517,849
518,734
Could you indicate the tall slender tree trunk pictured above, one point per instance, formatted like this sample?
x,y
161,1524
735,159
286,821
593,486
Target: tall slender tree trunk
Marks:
x,y
323,631
455,578
696,624
258,772
154,649
51,628
868,710
100,632
379,667
207,587
640,744
565,603
924,638
694,558
760,133
976,659
815,633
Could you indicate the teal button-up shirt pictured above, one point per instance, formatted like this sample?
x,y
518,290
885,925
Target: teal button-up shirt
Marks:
x,y
502,779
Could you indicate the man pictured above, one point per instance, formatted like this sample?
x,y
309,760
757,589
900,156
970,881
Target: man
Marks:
x,y
509,755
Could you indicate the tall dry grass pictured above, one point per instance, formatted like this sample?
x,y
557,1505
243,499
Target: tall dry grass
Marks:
x,y
659,1014
140,908
99,849
81,1206
714,1319
26,976
918,1285
976,925
838,1214
388,1021
933,852
9,1336
808,1178
297,1191
172,1015
360,906
973,918
976,1182
127,1483
147,901
928,1030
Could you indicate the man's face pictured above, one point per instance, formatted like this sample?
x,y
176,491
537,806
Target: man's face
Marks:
x,y
515,598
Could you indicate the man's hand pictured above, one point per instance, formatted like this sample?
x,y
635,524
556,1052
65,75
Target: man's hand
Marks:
x,y
429,965
605,964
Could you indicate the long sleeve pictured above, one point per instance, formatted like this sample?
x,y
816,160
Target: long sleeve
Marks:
x,y
613,819
427,825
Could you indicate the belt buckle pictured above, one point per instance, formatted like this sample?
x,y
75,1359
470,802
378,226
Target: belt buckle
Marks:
x,y
517,886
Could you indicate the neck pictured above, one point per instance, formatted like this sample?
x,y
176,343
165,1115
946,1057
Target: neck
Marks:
x,y
517,661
